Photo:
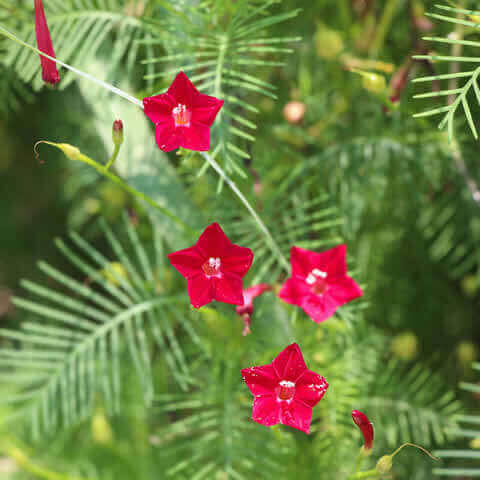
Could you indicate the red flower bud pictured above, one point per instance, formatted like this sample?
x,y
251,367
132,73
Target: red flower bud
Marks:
x,y
117,132
44,43
365,426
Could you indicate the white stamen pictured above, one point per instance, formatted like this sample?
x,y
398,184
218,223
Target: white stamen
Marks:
x,y
311,279
287,383
214,262
179,109
319,273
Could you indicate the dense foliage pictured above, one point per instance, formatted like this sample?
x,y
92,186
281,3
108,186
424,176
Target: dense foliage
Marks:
x,y
106,370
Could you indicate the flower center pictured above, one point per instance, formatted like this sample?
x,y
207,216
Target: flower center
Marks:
x,y
285,390
317,280
181,116
211,267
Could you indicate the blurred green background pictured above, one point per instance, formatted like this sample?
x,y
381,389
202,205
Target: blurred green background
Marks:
x,y
406,211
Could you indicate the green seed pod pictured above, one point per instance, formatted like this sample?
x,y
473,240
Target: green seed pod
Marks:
x,y
384,464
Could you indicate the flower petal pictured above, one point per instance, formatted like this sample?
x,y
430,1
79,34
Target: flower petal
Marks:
x,y
344,289
213,242
310,388
196,137
228,288
332,261
260,380
296,414
266,410
187,261
300,261
319,308
254,291
200,290
167,136
159,108
289,364
183,90
206,109
237,259
294,291
335,260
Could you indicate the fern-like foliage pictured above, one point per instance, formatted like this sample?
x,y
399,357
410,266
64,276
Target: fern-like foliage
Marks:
x,y
470,89
79,29
214,435
452,232
73,345
466,461
222,52
411,403
295,215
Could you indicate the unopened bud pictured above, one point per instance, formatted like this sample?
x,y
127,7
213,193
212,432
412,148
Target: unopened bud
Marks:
x,y
117,132
73,153
384,464
373,82
366,427
294,112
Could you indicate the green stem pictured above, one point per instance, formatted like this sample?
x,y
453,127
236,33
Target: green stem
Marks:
x,y
75,154
365,474
103,84
111,176
261,226
113,157
359,461
383,26
22,461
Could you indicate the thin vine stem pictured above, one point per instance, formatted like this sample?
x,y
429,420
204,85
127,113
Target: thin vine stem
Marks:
x,y
36,470
101,83
261,226
103,170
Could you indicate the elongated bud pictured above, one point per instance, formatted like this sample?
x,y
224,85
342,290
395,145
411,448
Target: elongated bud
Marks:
x,y
366,427
44,42
117,132
384,464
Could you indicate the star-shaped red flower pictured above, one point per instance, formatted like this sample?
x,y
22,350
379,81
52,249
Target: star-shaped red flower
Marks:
x,y
319,283
214,268
285,391
182,116
247,308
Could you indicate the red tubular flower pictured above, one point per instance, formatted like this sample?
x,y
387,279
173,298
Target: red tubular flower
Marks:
x,y
247,308
182,116
365,426
214,268
319,283
44,43
285,391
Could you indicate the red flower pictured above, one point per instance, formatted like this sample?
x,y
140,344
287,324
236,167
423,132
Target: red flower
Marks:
x,y
247,308
285,391
214,268
319,283
365,426
182,116
44,43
